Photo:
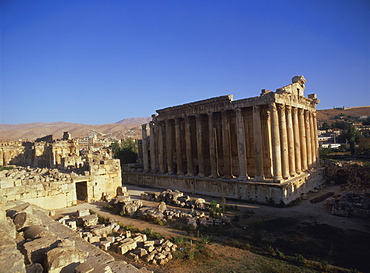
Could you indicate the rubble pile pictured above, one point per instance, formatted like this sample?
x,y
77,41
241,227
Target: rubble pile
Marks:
x,y
194,218
351,204
176,198
346,172
112,237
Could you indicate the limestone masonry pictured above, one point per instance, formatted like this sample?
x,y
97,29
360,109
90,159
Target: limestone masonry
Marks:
x,y
56,174
261,149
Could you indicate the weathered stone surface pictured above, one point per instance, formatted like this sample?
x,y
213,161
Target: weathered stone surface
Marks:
x,y
84,268
162,207
64,259
24,219
36,249
83,212
36,231
11,260
88,220
102,231
19,208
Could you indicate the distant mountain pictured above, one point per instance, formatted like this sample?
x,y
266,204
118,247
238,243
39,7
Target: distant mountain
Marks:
x,y
31,131
134,121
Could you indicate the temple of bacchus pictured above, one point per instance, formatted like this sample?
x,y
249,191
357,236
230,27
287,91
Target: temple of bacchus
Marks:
x,y
261,149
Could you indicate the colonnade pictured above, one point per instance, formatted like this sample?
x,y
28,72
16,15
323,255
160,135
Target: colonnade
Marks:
x,y
268,142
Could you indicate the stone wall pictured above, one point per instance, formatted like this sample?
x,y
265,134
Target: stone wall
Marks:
x,y
52,189
259,192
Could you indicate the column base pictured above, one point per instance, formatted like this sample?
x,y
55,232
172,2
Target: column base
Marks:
x,y
278,179
201,175
259,178
213,176
243,178
189,174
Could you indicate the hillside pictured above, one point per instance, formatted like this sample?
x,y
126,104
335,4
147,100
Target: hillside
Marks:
x,y
134,121
328,115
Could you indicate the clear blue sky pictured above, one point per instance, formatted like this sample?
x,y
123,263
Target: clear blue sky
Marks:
x,y
97,62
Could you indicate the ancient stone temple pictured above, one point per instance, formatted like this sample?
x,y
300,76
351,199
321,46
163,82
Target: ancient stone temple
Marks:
x,y
261,149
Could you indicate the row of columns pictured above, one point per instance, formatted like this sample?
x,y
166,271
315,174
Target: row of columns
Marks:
x,y
292,137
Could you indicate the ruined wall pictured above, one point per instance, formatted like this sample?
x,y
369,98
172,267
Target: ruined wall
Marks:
x,y
346,172
60,175
53,189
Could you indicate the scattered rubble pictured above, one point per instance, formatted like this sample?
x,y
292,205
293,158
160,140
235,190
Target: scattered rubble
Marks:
x,y
135,208
351,204
113,237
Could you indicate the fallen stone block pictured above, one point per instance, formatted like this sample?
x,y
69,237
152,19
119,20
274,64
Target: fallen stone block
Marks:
x,y
36,249
93,239
129,243
83,212
89,220
64,259
140,252
24,219
26,207
37,231
102,231
105,245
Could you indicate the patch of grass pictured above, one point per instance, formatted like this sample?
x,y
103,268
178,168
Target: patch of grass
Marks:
x,y
108,207
148,231
159,222
178,240
2,168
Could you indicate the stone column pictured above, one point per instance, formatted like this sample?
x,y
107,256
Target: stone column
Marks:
x,y
291,144
241,145
308,139
257,136
161,148
316,139
198,120
189,154
313,140
275,138
226,145
267,154
169,149
145,148
212,146
283,141
297,142
153,153
302,134
180,168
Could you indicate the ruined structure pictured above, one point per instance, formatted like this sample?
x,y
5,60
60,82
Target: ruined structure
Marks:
x,y
260,149
56,174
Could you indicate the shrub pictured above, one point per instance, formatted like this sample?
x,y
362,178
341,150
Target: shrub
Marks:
x,y
178,240
148,231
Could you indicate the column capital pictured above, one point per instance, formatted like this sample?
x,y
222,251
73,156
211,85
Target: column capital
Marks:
x,y
288,107
143,126
280,107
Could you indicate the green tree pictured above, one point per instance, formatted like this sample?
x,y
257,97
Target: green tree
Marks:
x,y
351,135
325,126
126,151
